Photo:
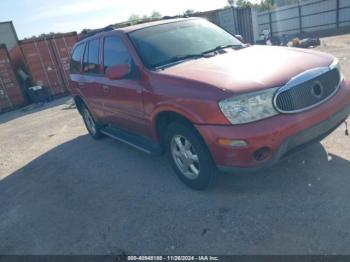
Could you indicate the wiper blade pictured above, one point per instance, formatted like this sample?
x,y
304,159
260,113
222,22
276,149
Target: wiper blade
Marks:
x,y
184,57
176,59
220,47
180,58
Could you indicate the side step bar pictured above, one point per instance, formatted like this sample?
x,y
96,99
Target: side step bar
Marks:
x,y
139,142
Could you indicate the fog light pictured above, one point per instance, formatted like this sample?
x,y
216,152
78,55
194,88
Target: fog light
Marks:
x,y
262,153
232,142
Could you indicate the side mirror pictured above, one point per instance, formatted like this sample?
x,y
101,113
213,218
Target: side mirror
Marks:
x,y
118,71
240,38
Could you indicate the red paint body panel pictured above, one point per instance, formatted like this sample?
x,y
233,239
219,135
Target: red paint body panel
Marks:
x,y
10,92
193,89
250,69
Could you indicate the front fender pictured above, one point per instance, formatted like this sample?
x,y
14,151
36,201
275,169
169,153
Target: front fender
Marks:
x,y
179,109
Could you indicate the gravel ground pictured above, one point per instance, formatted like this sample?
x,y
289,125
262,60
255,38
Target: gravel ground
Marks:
x,y
338,46
61,192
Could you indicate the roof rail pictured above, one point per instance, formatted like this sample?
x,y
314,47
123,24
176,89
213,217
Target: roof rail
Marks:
x,y
124,24
96,31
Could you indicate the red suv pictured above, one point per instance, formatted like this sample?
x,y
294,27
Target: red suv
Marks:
x,y
188,88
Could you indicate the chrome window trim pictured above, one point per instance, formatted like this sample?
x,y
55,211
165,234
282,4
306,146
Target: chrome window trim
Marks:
x,y
304,77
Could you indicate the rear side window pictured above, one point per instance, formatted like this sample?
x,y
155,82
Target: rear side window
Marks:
x,y
91,57
76,58
115,52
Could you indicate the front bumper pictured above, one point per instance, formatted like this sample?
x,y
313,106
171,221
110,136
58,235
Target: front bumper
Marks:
x,y
282,134
298,141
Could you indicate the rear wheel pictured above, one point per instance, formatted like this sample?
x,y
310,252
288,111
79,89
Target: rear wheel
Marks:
x,y
91,125
189,156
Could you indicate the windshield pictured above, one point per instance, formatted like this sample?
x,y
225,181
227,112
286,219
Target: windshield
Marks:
x,y
163,44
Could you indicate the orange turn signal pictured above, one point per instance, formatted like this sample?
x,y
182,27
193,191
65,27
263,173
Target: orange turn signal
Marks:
x,y
232,142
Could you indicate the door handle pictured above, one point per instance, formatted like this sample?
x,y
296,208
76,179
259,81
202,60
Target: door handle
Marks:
x,y
105,88
81,84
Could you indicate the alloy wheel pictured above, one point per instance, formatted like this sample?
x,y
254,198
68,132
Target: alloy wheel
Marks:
x,y
185,157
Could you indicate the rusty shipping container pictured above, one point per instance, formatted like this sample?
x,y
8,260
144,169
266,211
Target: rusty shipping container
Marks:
x,y
17,58
10,92
47,60
62,46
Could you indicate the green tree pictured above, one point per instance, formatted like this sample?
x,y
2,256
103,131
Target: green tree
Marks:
x,y
133,18
263,5
266,5
231,2
287,2
189,12
156,14
243,3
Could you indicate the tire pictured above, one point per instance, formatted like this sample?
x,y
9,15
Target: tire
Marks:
x,y
91,125
192,162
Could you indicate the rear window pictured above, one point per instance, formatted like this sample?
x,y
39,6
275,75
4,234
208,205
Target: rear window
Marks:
x,y
76,58
91,57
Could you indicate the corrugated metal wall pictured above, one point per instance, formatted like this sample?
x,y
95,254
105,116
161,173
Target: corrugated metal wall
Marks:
x,y
10,92
344,13
245,24
307,16
227,20
62,47
241,21
17,58
41,64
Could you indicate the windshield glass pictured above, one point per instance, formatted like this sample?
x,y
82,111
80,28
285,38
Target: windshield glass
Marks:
x,y
159,45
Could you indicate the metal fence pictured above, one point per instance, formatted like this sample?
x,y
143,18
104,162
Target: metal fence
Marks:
x,y
306,17
234,20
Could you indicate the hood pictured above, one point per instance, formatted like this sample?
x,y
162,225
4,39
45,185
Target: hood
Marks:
x,y
249,69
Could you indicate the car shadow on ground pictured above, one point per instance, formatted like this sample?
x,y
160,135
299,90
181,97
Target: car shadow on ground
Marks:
x,y
85,155
33,108
88,196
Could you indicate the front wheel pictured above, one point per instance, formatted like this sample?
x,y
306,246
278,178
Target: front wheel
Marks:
x,y
189,156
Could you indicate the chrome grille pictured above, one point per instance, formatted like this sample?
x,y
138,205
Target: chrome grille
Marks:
x,y
307,94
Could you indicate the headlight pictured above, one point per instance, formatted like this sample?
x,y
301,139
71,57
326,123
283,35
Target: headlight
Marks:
x,y
249,107
336,64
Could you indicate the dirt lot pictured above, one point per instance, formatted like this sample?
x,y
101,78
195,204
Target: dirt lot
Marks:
x,y
63,193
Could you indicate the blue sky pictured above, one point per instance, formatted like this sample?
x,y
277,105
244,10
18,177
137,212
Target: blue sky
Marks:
x,y
33,17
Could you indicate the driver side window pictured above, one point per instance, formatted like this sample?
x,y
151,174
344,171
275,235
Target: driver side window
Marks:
x,y
116,53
